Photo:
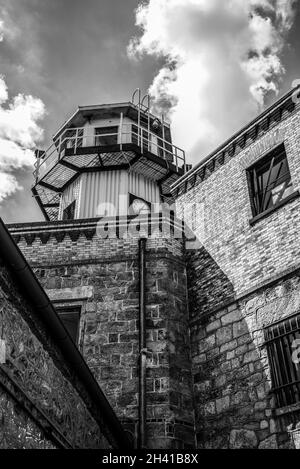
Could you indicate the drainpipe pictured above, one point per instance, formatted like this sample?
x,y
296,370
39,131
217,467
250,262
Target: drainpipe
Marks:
x,y
142,347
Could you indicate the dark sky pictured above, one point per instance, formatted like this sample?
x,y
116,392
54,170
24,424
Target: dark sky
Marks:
x,y
73,52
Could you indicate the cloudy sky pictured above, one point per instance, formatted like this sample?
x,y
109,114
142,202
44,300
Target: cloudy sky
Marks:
x,y
212,65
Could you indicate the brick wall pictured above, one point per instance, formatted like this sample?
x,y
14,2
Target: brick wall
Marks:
x,y
76,267
237,284
218,210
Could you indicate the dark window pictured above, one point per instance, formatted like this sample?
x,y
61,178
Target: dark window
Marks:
x,y
70,319
69,211
270,181
138,206
283,345
106,136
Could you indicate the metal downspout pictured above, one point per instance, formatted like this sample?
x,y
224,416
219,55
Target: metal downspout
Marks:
x,y
142,347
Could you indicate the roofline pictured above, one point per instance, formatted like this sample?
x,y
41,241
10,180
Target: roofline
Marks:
x,y
238,134
94,107
38,298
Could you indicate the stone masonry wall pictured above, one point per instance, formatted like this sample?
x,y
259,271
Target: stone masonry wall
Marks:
x,y
101,276
234,405
43,405
17,429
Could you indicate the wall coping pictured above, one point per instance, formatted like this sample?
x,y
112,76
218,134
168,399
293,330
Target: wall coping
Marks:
x,y
269,119
88,227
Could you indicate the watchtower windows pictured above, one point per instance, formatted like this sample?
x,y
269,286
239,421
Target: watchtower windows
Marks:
x,y
283,345
69,211
270,181
106,136
73,138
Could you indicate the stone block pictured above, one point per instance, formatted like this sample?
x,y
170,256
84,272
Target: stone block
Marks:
x,y
243,439
269,443
230,318
222,404
224,334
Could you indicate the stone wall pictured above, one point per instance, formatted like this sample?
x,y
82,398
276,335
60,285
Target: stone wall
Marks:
x,y
43,404
77,267
231,372
17,429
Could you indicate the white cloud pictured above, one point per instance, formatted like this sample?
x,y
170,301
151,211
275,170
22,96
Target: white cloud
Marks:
x,y
19,132
18,121
19,127
8,185
222,58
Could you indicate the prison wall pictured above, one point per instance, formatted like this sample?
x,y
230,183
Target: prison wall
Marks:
x,y
43,402
77,267
243,275
217,206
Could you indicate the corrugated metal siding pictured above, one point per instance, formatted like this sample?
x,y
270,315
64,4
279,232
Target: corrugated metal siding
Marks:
x,y
108,191
144,188
100,193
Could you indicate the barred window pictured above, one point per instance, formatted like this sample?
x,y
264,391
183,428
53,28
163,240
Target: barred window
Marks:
x,y
270,181
283,346
70,319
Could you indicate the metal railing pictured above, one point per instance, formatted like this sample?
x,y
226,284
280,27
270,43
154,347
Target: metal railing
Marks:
x,y
120,134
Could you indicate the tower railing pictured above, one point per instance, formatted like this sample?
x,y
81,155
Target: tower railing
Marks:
x,y
76,140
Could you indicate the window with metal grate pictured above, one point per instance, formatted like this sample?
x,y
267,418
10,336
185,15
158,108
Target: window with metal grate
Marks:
x,y
283,345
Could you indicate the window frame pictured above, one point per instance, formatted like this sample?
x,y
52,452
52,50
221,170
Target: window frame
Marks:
x,y
67,310
269,156
285,387
131,198
108,133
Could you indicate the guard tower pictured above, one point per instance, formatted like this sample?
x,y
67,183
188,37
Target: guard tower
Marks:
x,y
108,160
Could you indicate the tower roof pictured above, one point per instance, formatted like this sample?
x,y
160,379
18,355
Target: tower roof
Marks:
x,y
103,111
